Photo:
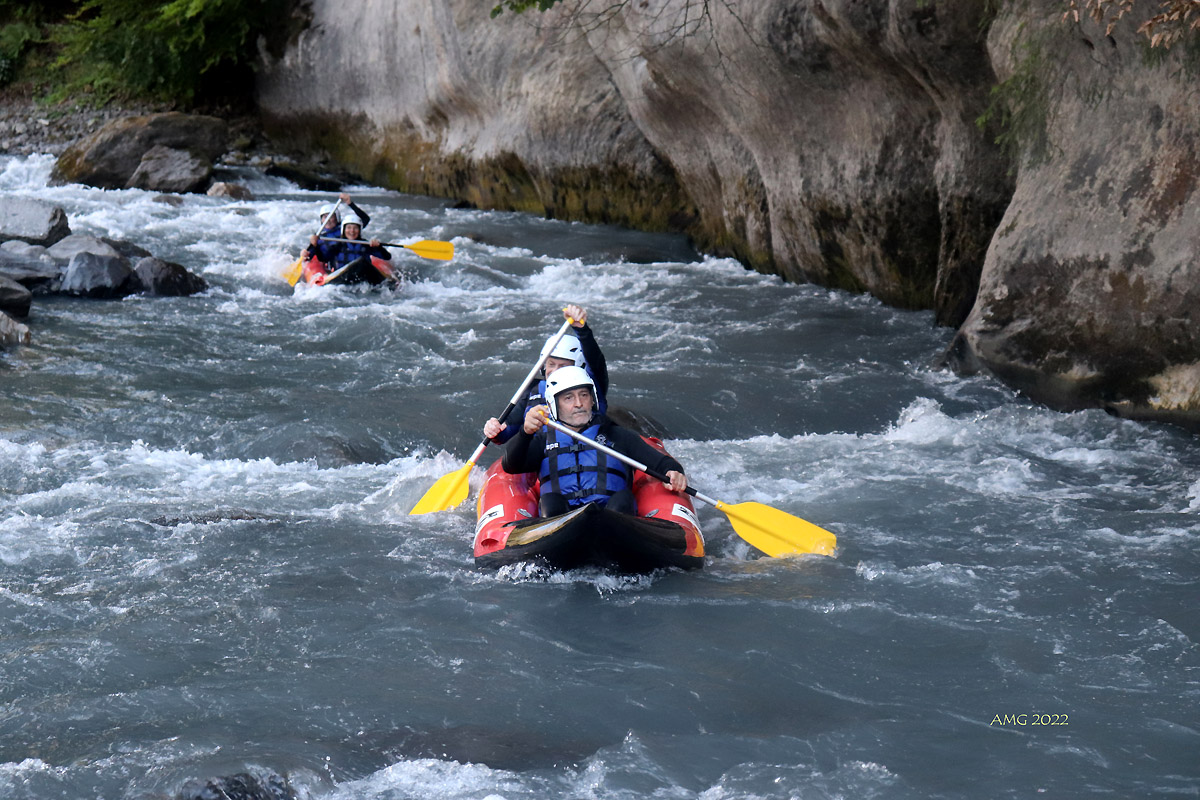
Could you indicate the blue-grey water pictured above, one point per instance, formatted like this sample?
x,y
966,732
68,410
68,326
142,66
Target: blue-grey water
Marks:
x,y
207,567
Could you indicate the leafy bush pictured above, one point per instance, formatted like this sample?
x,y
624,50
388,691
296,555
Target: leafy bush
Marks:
x,y
15,37
162,49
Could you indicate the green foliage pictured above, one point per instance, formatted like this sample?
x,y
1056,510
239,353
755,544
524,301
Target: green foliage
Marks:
x,y
519,6
163,50
1019,106
17,33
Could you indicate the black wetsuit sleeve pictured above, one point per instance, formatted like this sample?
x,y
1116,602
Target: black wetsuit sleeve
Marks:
x,y
364,216
516,419
629,443
325,252
594,358
524,452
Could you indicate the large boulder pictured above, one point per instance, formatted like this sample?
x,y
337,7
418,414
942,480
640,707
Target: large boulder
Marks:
x,y
12,332
170,169
31,221
99,276
167,278
14,298
110,158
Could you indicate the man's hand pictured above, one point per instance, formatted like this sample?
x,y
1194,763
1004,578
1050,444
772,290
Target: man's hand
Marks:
x,y
576,314
677,481
535,418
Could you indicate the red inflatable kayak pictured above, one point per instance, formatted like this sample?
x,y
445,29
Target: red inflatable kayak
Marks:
x,y
664,532
373,271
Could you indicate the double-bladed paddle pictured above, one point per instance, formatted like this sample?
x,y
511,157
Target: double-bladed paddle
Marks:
x,y
426,248
451,489
293,273
772,531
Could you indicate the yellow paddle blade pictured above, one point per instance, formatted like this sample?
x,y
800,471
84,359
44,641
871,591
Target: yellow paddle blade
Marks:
x,y
293,273
778,533
431,248
446,493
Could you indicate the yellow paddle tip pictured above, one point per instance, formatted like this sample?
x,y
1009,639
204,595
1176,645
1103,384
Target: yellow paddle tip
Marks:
x,y
446,493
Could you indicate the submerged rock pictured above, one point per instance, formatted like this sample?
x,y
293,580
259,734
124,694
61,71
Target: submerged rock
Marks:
x,y
12,332
242,786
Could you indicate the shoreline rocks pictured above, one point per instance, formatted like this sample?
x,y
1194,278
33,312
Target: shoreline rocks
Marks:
x,y
79,265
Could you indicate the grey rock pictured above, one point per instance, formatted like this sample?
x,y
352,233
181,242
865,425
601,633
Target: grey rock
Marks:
x,y
166,278
77,243
170,169
31,221
12,332
234,191
99,276
35,271
1088,293
109,158
14,298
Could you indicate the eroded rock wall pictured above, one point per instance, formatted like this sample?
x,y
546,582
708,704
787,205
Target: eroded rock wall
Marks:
x,y
1091,284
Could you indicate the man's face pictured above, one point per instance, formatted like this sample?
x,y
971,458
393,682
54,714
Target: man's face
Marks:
x,y
553,363
575,407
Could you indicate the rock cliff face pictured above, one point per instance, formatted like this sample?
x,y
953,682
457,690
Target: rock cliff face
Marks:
x,y
1092,280
831,141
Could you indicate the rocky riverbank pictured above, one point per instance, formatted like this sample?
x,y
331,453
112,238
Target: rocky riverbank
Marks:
x,y
28,126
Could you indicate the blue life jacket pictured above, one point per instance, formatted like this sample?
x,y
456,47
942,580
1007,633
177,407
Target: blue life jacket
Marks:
x,y
580,473
345,253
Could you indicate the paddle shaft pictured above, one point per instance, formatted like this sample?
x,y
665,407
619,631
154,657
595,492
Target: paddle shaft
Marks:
x,y
554,340
633,462
325,218
451,489
361,241
293,275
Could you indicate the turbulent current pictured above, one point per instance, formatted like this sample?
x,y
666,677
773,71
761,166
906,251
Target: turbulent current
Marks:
x,y
207,567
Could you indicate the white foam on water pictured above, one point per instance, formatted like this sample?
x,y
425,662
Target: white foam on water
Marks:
x,y
432,779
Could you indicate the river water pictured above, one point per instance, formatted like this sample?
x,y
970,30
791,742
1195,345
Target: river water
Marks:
x,y
207,567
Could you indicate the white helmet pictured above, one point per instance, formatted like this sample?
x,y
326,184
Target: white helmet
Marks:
x,y
351,219
568,347
564,379
328,208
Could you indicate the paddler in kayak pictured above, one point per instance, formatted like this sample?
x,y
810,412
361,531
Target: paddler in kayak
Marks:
x,y
571,473
335,255
579,350
331,223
